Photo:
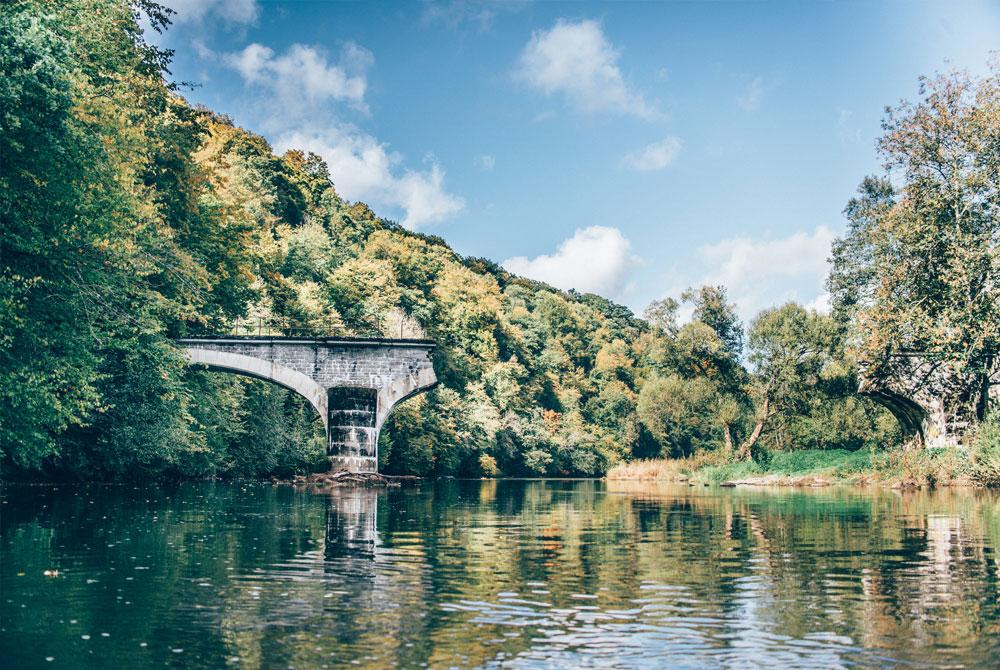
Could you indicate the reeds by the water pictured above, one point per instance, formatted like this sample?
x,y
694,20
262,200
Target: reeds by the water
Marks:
x,y
663,469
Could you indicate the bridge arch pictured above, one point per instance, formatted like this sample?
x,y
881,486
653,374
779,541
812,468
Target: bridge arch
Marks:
x,y
258,368
911,416
352,382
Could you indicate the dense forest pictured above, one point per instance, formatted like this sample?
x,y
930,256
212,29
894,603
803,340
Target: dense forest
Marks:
x,y
131,217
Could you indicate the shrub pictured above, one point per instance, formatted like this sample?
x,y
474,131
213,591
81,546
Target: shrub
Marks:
x,y
488,465
986,452
537,461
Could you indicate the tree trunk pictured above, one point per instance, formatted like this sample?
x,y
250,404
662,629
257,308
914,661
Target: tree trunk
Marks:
x,y
983,401
728,435
752,439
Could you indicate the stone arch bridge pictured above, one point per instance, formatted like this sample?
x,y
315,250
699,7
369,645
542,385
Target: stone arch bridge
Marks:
x,y
935,400
352,382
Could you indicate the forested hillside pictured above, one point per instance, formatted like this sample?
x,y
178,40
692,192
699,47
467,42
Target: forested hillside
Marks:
x,y
131,217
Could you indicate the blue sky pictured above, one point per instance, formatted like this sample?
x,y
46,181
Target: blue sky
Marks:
x,y
630,149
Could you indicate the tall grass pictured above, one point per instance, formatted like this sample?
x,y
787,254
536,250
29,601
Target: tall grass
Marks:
x,y
829,463
986,452
664,469
907,466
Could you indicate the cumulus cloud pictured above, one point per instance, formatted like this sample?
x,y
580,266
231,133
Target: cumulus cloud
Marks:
x,y
302,75
764,273
753,96
577,61
595,260
821,304
296,112
365,169
233,12
655,156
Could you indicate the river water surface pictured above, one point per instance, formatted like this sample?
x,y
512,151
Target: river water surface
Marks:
x,y
524,574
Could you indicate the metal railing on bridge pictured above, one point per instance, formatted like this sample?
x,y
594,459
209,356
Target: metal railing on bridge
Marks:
x,y
329,327
267,326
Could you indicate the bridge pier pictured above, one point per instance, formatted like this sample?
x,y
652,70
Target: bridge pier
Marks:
x,y
353,383
352,430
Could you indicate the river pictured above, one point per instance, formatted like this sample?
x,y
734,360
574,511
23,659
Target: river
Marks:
x,y
523,574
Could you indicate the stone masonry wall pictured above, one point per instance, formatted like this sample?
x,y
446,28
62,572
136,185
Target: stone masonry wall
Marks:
x,y
332,363
362,380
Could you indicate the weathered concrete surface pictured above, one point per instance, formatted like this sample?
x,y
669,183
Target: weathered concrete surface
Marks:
x,y
352,383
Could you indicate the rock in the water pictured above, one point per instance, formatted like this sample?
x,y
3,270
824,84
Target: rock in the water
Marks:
x,y
346,478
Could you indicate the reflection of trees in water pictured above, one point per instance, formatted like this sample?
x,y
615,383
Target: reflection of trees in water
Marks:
x,y
381,576
904,571
880,568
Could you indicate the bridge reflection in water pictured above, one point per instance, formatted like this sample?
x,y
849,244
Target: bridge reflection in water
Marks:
x,y
351,524
496,574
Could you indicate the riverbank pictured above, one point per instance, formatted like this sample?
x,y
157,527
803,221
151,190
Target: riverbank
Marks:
x,y
895,468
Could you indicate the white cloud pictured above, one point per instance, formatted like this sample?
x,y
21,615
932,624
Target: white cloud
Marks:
x,y
486,162
295,110
821,304
302,76
764,273
655,156
577,61
754,95
252,62
595,260
202,50
364,169
234,12
458,13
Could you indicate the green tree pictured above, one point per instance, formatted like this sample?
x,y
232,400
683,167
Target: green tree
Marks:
x,y
712,307
662,314
681,413
87,271
796,356
919,268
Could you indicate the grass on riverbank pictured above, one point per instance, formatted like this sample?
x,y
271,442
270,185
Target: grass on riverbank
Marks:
x,y
804,467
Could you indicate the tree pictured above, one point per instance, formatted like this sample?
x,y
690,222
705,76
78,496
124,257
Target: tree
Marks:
x,y
698,351
711,307
662,314
790,350
681,413
919,268
90,262
48,369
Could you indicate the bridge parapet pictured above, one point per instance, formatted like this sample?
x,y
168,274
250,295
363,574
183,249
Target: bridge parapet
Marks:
x,y
353,383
